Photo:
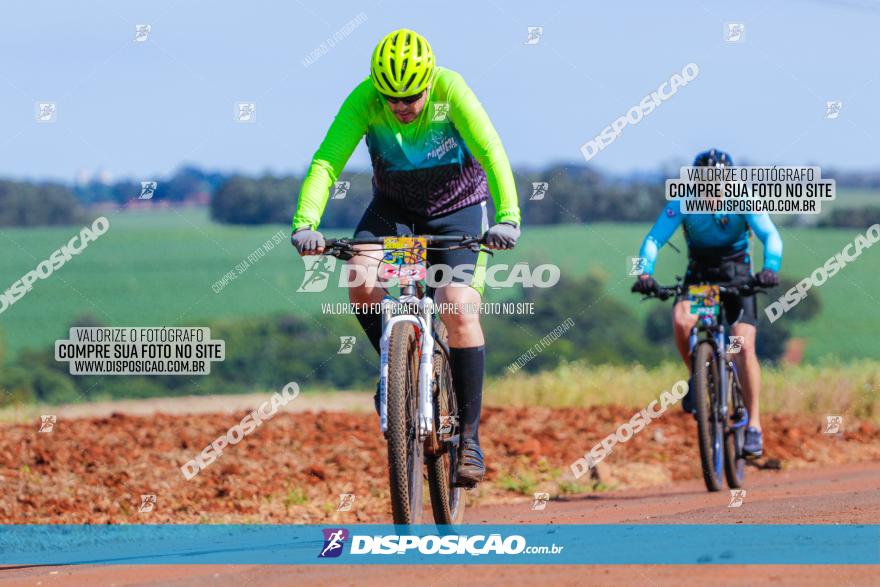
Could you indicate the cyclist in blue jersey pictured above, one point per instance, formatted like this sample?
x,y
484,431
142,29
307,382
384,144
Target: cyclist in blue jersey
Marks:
x,y
719,252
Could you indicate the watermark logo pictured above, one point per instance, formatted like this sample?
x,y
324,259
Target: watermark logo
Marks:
x,y
750,190
46,112
346,501
820,275
734,32
539,190
334,539
47,423
445,545
634,115
148,503
148,189
331,41
142,32
540,501
737,497
833,424
346,345
252,259
735,344
832,109
629,429
441,112
637,266
245,112
542,344
144,351
236,433
340,189
318,272
534,34
56,260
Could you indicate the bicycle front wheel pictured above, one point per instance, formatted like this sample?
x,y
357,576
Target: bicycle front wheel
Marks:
x,y
710,430
734,438
405,450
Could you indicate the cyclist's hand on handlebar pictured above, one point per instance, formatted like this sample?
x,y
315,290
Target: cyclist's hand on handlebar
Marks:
x,y
308,241
502,236
645,284
767,278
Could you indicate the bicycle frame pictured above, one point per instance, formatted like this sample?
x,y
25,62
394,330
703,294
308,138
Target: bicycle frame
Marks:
x,y
422,320
713,329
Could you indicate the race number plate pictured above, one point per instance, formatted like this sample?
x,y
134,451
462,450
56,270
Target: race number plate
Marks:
x,y
704,299
405,258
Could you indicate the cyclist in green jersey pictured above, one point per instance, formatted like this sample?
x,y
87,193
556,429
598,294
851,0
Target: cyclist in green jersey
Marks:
x,y
436,160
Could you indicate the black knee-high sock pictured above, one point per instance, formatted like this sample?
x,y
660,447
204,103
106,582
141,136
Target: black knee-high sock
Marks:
x,y
467,377
371,322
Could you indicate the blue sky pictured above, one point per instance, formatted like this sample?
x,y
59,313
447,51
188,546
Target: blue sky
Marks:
x,y
143,109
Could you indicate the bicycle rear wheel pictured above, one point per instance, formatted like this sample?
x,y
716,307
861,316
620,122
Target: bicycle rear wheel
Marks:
x,y
447,500
710,430
405,450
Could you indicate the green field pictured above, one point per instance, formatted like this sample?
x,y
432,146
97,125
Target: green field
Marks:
x,y
158,268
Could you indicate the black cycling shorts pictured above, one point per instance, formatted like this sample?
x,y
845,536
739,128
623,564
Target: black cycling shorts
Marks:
x,y
385,218
738,270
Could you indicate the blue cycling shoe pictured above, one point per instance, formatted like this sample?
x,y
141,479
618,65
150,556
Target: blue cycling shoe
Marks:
x,y
753,447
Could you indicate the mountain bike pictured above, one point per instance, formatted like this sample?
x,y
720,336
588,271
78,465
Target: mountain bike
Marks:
x,y
418,413
721,412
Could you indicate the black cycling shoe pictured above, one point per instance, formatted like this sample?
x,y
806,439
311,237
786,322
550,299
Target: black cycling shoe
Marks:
x,y
688,401
470,464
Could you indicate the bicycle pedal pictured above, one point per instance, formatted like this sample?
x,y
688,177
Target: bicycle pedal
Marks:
x,y
465,484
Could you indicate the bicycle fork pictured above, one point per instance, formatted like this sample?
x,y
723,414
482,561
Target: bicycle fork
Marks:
x,y
422,321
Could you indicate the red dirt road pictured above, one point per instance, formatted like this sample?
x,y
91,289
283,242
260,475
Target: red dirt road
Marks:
x,y
295,466
840,494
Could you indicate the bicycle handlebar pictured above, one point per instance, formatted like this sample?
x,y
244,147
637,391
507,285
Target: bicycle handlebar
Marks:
x,y
465,239
343,248
744,289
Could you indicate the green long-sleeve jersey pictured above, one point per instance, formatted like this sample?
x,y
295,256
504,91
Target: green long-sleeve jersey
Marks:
x,y
449,157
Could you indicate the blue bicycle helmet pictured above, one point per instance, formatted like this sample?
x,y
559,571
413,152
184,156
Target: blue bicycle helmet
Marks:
x,y
713,158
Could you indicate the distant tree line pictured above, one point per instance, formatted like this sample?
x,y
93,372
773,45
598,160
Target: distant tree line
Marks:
x,y
862,217
37,204
552,195
186,183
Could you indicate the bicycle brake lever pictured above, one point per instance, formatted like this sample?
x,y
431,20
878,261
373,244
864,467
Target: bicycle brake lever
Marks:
x,y
343,254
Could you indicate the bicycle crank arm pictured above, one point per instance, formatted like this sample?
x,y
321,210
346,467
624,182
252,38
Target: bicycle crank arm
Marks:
x,y
742,421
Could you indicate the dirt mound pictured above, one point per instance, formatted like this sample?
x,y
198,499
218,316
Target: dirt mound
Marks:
x,y
294,467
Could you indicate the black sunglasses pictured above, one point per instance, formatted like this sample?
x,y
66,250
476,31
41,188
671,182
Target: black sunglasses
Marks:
x,y
406,99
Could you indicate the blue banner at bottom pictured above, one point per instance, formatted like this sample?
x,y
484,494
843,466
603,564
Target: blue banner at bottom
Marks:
x,y
675,544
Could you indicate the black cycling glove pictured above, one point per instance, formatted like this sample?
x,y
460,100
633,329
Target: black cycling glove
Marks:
x,y
645,285
767,278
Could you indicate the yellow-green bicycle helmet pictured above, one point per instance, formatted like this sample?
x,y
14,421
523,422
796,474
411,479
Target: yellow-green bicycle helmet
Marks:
x,y
402,64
